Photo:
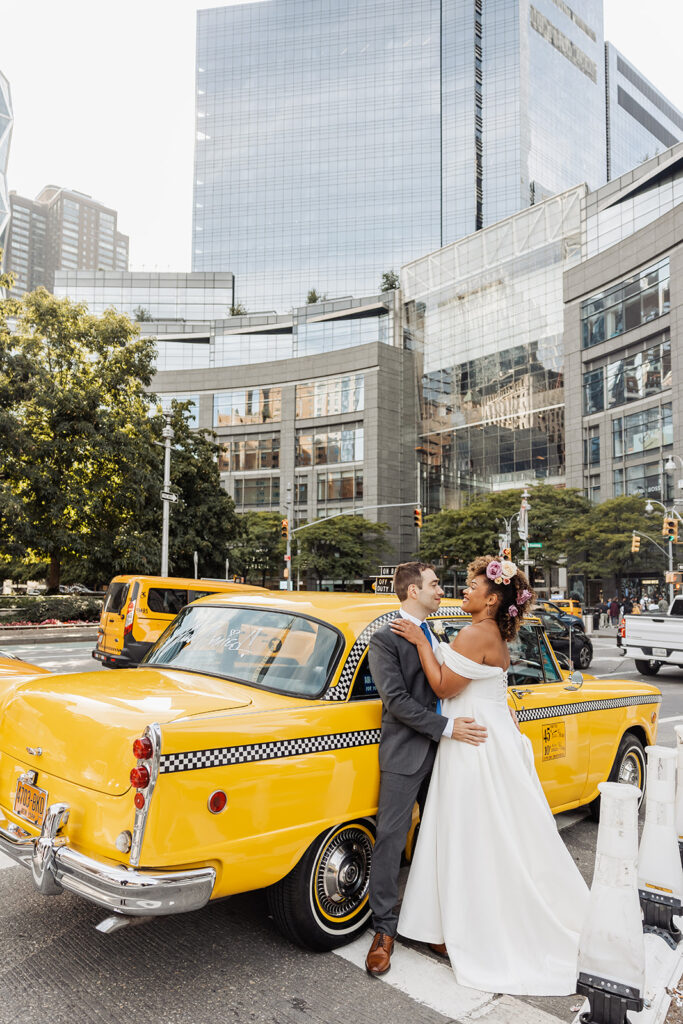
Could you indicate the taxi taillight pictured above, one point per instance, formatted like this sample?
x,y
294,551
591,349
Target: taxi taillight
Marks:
x,y
622,628
139,777
130,614
142,748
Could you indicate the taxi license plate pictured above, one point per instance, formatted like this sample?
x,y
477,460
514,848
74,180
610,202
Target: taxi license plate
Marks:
x,y
30,803
661,651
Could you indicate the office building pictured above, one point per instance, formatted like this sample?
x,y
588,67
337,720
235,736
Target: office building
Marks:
x,y
5,137
623,337
61,229
641,122
147,296
485,317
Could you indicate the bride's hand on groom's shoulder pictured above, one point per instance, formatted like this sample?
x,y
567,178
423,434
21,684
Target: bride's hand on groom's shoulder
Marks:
x,y
409,631
467,731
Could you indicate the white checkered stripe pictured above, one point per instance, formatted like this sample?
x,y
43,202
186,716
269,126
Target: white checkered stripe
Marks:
x,y
562,710
341,690
220,756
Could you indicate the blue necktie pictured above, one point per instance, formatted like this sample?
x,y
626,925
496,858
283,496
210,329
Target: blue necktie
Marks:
x,y
428,633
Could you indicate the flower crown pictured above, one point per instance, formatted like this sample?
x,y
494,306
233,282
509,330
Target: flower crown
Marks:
x,y
503,573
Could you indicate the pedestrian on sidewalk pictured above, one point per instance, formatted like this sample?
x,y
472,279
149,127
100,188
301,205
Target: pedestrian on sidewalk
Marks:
x,y
614,611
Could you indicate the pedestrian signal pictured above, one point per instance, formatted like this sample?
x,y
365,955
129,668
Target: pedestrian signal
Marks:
x,y
284,528
635,543
417,517
670,529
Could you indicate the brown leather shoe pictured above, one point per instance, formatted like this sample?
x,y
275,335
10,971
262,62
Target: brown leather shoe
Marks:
x,y
439,947
378,960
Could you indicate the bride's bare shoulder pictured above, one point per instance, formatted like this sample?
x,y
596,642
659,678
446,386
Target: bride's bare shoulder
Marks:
x,y
470,641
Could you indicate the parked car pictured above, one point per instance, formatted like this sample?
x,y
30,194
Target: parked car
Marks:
x,y
243,754
11,665
559,628
569,605
654,640
137,609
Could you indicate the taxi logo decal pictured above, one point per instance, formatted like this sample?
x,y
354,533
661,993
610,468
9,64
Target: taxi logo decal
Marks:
x,y
554,741
562,710
266,751
341,690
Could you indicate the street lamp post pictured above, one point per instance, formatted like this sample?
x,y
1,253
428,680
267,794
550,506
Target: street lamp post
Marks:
x,y
670,467
650,508
288,556
166,498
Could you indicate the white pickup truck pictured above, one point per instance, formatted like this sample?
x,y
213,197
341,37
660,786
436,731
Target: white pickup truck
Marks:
x,y
655,640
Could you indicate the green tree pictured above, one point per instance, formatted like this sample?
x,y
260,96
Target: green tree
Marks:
x,y
345,548
238,309
74,429
142,315
258,549
313,296
390,281
598,542
456,536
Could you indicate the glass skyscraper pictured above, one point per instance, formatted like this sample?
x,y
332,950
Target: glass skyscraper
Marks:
x,y
337,139
5,136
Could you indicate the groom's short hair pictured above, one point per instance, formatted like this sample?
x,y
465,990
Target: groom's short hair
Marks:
x,y
407,573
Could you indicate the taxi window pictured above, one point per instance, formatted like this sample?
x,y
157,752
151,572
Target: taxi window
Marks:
x,y
445,629
165,600
116,598
273,650
363,685
525,658
195,595
549,667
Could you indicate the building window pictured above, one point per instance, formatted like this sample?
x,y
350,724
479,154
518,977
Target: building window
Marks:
x,y
330,397
627,305
191,413
250,405
261,491
593,391
642,431
326,447
301,491
648,480
243,453
593,490
346,485
591,447
639,375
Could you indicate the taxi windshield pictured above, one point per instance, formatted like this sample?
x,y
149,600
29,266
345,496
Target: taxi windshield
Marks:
x,y
281,651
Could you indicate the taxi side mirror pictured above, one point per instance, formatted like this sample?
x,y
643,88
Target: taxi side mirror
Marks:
x,y
576,681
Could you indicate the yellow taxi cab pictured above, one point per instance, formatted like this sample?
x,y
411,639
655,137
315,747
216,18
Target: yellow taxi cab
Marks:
x,y
137,609
568,605
243,754
10,664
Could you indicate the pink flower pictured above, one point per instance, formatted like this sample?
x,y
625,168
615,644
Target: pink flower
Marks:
x,y
494,571
523,597
512,611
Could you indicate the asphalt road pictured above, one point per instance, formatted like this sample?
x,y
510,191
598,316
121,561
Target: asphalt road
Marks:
x,y
227,962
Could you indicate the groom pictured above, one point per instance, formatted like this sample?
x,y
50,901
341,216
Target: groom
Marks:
x,y
411,729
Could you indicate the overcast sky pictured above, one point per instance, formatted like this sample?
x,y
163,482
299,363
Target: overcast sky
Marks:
x,y
104,102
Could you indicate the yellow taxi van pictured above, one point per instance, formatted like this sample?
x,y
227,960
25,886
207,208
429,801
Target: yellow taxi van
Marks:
x,y
137,609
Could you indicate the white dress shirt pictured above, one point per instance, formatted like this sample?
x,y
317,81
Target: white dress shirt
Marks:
x,y
435,647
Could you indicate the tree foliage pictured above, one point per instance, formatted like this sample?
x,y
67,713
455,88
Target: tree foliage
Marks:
x,y
390,281
598,542
314,296
456,536
80,472
343,548
257,551
238,309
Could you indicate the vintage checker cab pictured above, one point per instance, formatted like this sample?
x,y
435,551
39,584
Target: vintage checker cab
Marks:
x,y
243,754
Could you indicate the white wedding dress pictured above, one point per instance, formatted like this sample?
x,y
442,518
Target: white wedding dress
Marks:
x,y
491,876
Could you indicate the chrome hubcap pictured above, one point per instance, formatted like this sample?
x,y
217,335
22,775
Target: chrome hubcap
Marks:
x,y
344,872
630,771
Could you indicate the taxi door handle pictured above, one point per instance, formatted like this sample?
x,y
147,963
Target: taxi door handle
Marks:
x,y
520,693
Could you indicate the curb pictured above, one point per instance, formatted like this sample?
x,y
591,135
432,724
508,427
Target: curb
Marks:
x,y
39,634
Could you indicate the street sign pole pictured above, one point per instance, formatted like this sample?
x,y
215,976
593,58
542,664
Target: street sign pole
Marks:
x,y
167,434
288,556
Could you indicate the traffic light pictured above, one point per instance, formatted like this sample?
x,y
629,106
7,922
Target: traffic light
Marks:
x,y
635,543
284,528
417,517
670,529
507,553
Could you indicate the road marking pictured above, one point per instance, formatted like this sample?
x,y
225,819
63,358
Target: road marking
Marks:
x,y
567,818
6,862
672,718
422,978
508,1010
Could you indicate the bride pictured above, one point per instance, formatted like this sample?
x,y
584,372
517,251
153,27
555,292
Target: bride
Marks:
x,y
491,885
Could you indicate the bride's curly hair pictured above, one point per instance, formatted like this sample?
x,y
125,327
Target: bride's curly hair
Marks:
x,y
515,598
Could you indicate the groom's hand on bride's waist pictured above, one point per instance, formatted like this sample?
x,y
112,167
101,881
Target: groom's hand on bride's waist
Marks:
x,y
467,731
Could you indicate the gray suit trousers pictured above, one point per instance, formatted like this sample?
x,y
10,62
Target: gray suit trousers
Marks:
x,y
397,795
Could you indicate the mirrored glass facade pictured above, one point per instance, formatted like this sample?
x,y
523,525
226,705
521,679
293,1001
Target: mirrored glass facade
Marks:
x,y
338,140
145,296
5,137
486,317
641,122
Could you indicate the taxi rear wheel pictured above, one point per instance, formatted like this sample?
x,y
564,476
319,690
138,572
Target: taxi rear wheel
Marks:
x,y
629,767
323,902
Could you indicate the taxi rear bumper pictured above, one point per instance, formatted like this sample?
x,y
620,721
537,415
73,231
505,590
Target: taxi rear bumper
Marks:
x,y
56,867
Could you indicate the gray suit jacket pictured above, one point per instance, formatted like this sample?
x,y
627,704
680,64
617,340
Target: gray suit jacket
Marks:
x,y
410,725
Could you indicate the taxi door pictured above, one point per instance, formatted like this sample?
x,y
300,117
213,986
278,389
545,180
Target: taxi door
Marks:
x,y
547,706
